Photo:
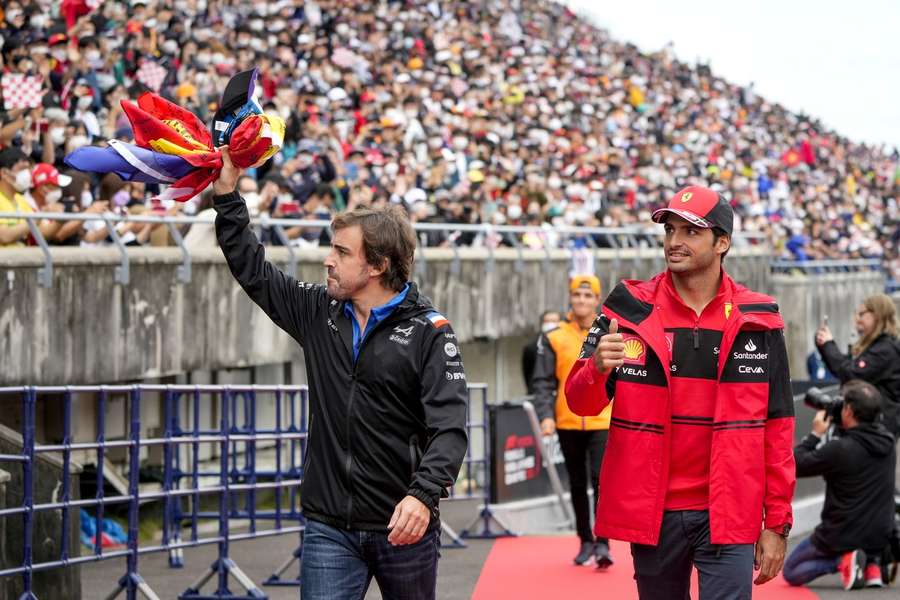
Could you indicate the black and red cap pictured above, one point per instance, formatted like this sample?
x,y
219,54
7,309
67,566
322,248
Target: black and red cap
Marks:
x,y
701,206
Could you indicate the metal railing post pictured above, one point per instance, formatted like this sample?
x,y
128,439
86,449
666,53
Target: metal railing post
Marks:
x,y
28,422
45,273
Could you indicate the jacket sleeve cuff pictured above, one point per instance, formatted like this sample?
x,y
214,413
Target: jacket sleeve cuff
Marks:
x,y
227,199
777,519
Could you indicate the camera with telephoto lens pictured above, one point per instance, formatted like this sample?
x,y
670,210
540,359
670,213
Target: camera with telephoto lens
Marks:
x,y
819,400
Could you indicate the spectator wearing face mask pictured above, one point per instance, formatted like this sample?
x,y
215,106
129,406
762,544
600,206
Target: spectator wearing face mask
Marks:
x,y
549,321
46,195
15,181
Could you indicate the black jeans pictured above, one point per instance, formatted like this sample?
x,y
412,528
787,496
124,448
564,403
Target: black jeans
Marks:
x,y
583,452
663,572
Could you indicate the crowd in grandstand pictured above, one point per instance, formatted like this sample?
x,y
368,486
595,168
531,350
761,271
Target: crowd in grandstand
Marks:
x,y
501,112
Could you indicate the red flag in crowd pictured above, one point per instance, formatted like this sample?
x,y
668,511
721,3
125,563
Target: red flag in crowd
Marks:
x,y
72,9
791,158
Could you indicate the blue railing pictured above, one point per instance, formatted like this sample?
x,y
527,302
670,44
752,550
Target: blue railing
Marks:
x,y
238,470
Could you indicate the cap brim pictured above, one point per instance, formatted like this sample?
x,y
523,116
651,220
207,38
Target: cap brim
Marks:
x,y
659,216
63,180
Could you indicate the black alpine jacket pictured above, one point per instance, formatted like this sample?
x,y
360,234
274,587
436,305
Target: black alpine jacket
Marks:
x,y
390,425
858,468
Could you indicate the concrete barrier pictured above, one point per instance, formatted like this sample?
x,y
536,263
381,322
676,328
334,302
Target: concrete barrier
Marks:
x,y
805,298
86,328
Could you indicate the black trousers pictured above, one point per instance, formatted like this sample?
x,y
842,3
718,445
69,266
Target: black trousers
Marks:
x,y
583,453
663,572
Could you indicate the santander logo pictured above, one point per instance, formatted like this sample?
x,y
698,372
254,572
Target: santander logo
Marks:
x,y
750,347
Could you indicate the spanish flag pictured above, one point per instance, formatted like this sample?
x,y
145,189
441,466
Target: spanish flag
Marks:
x,y
173,147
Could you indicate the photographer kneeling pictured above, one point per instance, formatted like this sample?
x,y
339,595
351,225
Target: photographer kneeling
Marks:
x,y
858,467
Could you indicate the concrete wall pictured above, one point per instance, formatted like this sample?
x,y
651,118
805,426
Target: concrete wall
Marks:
x,y
804,300
88,329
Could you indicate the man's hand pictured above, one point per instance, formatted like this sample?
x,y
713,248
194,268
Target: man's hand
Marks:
x,y
228,176
409,522
548,427
769,558
823,335
820,423
610,351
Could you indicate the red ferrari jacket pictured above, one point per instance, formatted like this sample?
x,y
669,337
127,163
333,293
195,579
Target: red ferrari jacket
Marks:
x,y
742,368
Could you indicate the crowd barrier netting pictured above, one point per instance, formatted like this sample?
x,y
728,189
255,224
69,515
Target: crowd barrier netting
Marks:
x,y
229,453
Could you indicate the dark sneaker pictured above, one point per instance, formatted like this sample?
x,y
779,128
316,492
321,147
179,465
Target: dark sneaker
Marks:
x,y
602,556
585,554
851,570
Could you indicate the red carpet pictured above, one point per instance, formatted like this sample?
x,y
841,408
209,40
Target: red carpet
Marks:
x,y
541,568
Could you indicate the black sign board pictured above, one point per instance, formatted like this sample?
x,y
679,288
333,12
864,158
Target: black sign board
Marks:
x,y
518,472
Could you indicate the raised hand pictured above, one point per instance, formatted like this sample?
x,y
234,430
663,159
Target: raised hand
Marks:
x,y
228,176
610,351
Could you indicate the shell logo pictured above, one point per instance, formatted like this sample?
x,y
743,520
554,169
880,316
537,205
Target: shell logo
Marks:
x,y
634,349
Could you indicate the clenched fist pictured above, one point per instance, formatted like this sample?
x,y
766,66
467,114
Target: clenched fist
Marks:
x,y
610,351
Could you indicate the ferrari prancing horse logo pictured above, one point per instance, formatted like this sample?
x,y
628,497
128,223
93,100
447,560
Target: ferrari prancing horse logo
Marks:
x,y
685,197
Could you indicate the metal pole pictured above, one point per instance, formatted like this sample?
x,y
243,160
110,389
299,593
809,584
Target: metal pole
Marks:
x,y
549,465
28,419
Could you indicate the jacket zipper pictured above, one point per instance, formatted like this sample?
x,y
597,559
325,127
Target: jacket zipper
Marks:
x,y
696,333
349,462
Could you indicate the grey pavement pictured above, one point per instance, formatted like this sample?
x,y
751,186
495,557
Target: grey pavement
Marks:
x,y
457,574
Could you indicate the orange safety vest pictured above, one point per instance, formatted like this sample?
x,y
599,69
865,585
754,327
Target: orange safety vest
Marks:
x,y
566,341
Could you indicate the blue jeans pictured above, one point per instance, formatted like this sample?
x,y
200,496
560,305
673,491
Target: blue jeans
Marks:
x,y
807,562
337,564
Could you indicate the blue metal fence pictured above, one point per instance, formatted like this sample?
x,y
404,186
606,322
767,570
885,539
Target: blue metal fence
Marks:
x,y
235,445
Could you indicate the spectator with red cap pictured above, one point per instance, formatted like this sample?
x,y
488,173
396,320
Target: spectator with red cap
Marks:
x,y
703,411
46,195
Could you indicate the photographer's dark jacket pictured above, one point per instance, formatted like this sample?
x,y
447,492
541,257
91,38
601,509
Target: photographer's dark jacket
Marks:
x,y
859,475
390,423
879,364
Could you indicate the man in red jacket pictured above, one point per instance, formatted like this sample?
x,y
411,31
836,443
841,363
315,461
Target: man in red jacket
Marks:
x,y
703,412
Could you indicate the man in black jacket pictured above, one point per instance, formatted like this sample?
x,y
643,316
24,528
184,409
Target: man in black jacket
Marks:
x,y
858,468
388,399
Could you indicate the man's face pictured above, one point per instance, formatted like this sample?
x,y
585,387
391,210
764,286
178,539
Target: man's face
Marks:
x,y
348,271
690,248
584,302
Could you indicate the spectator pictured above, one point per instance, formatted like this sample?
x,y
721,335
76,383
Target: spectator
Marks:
x,y
548,322
15,180
483,107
